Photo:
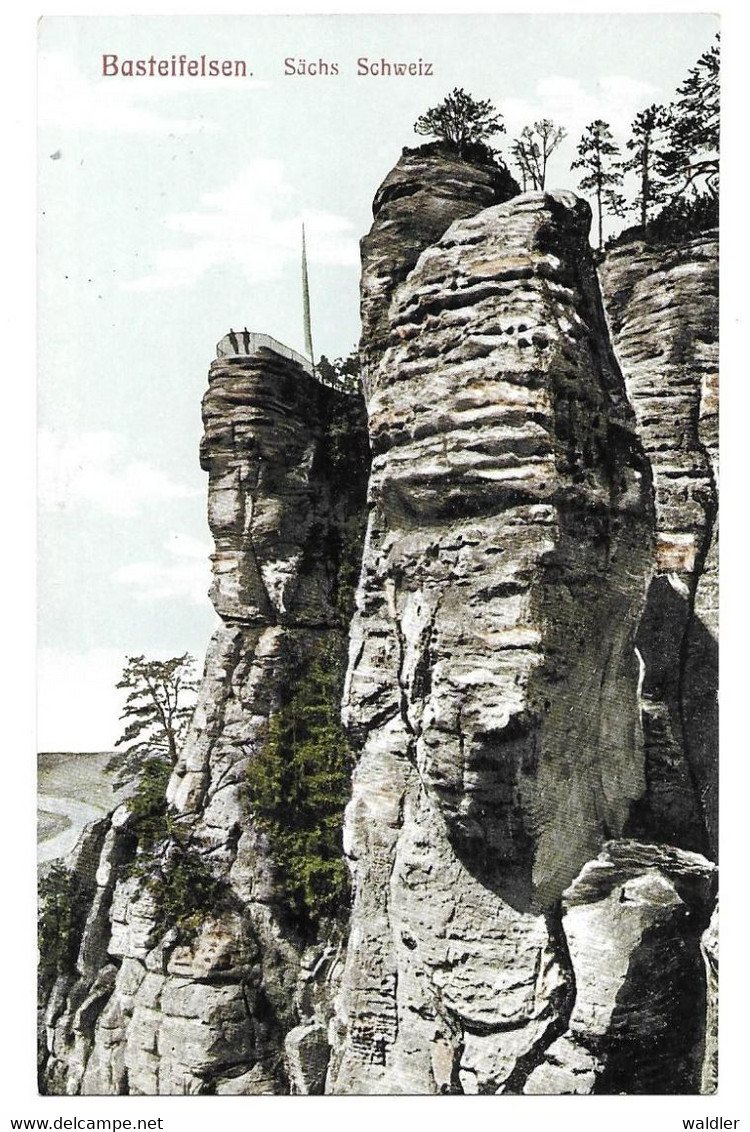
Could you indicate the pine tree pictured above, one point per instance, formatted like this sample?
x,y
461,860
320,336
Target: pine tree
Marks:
x,y
597,151
693,157
158,708
461,120
532,151
59,924
648,146
298,785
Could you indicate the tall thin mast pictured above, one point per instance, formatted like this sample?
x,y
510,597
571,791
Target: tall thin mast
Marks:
x,y
306,301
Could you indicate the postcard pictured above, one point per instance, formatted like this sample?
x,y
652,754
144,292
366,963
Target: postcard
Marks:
x,y
378,601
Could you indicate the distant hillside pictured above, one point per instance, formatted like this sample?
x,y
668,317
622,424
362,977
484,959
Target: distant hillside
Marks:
x,y
73,788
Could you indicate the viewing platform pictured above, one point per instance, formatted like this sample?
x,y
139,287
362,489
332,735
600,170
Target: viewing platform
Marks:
x,y
246,343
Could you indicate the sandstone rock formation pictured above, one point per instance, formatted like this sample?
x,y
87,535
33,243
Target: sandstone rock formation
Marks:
x,y
662,304
493,681
213,1015
530,688
633,921
427,189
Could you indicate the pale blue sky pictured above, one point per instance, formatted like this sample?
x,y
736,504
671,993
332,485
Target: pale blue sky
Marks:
x,y
170,210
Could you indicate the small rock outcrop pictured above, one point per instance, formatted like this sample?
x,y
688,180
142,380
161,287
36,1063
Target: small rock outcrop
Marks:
x,y
633,922
662,305
493,682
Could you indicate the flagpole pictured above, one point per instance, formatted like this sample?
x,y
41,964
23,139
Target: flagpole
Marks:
x,y
306,302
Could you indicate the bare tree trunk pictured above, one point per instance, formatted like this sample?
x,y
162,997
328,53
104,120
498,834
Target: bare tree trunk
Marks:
x,y
644,185
599,210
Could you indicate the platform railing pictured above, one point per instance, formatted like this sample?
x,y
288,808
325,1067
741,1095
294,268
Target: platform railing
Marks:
x,y
246,343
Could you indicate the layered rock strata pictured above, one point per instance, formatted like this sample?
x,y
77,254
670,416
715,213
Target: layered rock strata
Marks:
x,y
662,305
522,612
493,683
423,194
212,1015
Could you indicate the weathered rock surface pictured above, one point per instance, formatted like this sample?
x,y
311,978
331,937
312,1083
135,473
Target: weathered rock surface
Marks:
x,y
508,933
423,194
633,921
662,305
148,1014
492,682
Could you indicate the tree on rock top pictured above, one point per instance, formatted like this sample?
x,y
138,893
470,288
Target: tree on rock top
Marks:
x,y
597,154
648,160
461,121
532,149
694,156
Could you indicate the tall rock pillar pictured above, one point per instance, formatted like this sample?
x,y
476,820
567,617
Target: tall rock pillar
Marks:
x,y
493,682
662,305
148,1011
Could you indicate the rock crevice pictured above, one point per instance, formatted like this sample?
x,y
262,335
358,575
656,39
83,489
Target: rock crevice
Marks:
x,y
662,305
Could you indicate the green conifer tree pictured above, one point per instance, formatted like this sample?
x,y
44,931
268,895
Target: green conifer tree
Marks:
x,y
597,153
298,785
693,157
648,145
158,709
461,120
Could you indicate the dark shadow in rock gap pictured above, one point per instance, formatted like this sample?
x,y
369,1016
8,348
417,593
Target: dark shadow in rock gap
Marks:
x,y
679,697
654,1043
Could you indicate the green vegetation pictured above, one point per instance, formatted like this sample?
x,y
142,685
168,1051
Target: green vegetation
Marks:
x,y
671,172
461,121
59,924
171,868
683,218
602,173
346,455
532,150
299,781
675,153
184,889
151,822
343,372
158,709
298,785
648,157
693,158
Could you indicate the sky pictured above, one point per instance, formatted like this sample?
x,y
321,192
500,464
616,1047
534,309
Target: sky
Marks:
x,y
170,209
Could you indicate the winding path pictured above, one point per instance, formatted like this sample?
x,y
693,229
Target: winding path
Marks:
x,y
79,814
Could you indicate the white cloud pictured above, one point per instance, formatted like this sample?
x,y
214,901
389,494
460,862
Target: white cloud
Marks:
x,y
254,222
70,100
185,572
615,98
78,704
92,468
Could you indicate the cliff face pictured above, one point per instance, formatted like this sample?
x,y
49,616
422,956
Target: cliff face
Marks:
x,y
212,1015
530,689
493,682
662,304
